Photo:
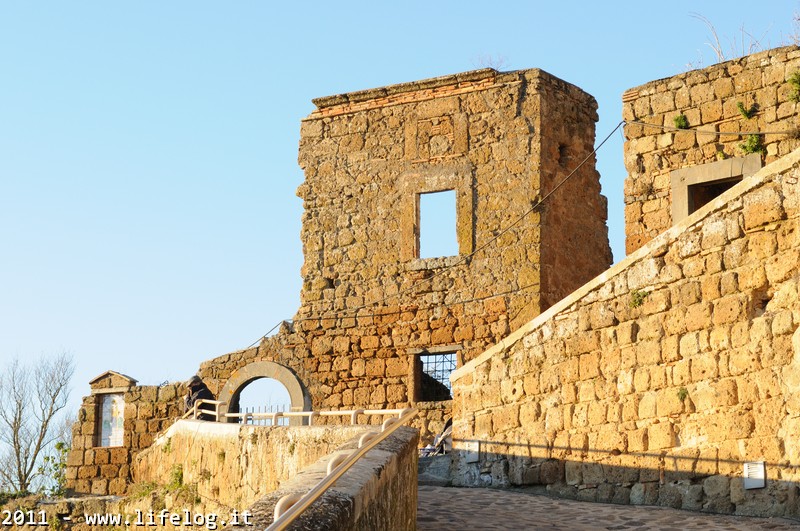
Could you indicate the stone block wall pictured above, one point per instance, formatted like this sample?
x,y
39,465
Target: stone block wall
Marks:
x,y
148,410
369,303
714,102
233,466
655,382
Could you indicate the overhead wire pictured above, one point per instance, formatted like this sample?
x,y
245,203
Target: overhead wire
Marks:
x,y
707,132
467,257
461,259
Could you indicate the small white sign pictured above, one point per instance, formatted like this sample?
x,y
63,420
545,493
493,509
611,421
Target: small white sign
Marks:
x,y
472,451
755,475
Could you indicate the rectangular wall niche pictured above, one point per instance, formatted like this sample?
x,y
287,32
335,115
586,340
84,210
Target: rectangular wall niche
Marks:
x,y
111,409
437,224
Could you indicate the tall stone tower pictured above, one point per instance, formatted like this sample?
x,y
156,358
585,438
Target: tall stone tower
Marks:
x,y
380,322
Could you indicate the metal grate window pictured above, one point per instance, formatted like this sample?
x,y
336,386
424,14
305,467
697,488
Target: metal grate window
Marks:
x,y
436,370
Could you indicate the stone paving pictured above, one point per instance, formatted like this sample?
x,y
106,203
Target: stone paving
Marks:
x,y
463,509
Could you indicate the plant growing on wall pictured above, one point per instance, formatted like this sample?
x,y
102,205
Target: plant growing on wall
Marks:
x,y
753,144
681,121
638,297
747,113
794,82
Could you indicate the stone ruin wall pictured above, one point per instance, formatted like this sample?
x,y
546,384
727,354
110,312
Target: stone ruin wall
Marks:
x,y
654,383
709,99
501,141
107,470
368,303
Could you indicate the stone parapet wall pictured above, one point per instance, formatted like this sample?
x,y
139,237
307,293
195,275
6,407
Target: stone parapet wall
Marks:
x,y
655,382
378,492
235,465
215,476
712,100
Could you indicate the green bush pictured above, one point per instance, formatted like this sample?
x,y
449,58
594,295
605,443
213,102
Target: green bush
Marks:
x,y
753,144
794,82
681,121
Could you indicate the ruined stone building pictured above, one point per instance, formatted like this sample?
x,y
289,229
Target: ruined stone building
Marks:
x,y
653,381
375,315
375,312
672,173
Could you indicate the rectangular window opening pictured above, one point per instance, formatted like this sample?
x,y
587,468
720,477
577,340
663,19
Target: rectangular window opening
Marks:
x,y
703,193
435,376
437,224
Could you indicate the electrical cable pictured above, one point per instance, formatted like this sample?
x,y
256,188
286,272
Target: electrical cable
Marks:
x,y
462,259
704,132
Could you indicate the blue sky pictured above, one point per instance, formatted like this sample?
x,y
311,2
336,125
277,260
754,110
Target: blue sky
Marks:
x,y
148,150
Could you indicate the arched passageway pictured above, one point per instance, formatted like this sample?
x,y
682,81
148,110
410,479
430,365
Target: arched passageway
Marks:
x,y
264,396
241,378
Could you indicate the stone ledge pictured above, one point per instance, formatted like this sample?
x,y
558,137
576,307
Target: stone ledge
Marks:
x,y
390,90
422,264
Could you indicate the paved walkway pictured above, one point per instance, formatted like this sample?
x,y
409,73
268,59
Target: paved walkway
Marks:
x,y
443,508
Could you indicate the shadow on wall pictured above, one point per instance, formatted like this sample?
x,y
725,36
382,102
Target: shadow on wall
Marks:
x,y
688,481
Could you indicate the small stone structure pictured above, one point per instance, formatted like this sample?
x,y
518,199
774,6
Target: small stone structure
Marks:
x,y
133,415
372,309
655,382
750,95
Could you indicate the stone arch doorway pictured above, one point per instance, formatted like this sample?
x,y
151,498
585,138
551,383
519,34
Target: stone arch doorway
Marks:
x,y
231,391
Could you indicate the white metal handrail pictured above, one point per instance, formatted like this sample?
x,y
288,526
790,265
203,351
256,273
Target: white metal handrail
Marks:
x,y
195,409
352,413
290,507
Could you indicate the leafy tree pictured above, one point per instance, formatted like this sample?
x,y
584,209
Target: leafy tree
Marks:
x,y
31,396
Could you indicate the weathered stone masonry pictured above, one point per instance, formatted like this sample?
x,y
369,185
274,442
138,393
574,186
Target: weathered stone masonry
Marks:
x,y
655,382
369,304
710,99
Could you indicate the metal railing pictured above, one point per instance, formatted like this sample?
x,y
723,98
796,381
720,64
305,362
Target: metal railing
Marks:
x,y
259,415
352,413
291,506
195,409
